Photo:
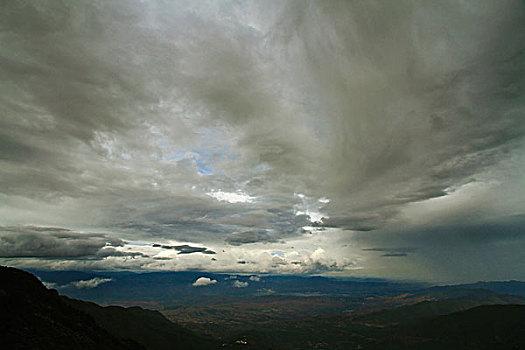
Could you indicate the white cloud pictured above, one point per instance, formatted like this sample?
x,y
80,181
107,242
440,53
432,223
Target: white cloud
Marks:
x,y
231,197
50,285
255,278
318,254
311,208
239,284
92,283
203,281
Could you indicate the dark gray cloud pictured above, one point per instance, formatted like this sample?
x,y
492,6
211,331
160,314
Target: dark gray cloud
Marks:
x,y
162,258
390,255
242,123
456,252
185,249
246,237
109,251
52,242
78,85
391,252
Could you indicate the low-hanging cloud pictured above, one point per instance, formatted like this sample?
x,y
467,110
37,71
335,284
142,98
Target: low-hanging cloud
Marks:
x,y
240,284
185,249
203,281
92,283
33,241
391,252
247,237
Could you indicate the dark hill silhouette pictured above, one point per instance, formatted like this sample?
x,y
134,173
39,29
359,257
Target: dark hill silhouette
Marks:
x,y
487,327
502,287
146,327
34,317
446,302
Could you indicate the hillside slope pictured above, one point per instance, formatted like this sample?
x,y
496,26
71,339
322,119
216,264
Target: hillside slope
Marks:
x,y
487,327
146,327
34,317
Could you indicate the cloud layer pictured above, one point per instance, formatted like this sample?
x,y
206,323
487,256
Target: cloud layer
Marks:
x,y
52,242
248,127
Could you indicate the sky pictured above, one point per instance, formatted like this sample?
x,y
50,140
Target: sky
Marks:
x,y
348,138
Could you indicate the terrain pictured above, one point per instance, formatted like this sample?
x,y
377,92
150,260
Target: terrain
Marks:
x,y
34,317
257,312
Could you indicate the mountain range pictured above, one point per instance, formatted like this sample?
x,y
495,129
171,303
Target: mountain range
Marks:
x,y
267,312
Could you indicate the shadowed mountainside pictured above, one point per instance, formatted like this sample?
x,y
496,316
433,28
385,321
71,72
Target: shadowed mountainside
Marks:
x,y
147,327
487,327
34,317
413,326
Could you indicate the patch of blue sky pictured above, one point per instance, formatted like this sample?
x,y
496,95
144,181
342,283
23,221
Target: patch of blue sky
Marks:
x,y
203,162
173,157
278,253
204,170
259,168
214,145
138,243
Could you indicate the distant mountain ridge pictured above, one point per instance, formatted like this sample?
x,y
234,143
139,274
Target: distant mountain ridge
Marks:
x,y
169,284
511,287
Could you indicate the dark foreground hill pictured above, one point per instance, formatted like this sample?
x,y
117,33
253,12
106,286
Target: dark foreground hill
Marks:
x,y
146,327
487,327
34,317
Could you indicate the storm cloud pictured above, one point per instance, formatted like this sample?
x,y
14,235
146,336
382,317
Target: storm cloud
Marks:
x,y
250,125
52,242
